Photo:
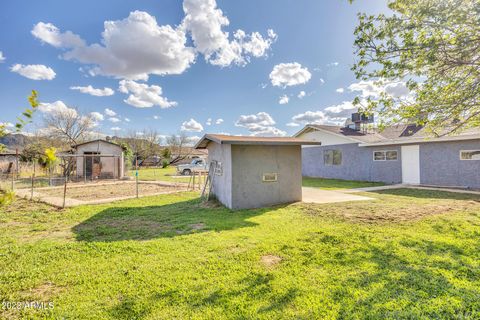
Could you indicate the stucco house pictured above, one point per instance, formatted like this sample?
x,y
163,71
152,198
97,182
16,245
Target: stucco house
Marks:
x,y
99,159
398,154
253,172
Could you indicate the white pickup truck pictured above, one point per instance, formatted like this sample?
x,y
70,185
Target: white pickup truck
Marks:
x,y
196,164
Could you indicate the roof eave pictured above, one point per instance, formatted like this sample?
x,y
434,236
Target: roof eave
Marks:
x,y
420,140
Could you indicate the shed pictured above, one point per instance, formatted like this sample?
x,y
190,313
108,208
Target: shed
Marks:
x,y
99,159
253,172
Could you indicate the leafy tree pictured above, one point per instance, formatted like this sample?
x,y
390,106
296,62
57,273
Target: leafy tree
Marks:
x,y
24,119
434,46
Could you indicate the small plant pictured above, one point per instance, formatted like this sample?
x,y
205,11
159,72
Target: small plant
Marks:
x,y
6,198
165,163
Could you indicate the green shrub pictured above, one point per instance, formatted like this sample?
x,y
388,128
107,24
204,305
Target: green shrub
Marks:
x,y
6,198
165,163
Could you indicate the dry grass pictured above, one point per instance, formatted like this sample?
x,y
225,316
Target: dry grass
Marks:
x,y
270,260
399,210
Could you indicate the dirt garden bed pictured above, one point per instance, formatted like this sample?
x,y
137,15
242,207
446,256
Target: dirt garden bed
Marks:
x,y
107,191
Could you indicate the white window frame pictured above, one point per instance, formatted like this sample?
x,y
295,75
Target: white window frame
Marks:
x,y
274,176
461,151
385,152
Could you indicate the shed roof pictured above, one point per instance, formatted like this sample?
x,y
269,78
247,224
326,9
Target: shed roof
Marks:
x,y
250,140
96,141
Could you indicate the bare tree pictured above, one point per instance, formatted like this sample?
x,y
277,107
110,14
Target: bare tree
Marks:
x,y
144,144
177,148
69,125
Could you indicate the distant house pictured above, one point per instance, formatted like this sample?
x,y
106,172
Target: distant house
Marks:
x,y
99,159
398,154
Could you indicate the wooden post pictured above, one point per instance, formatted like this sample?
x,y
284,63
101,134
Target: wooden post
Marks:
x,y
33,180
193,183
136,174
65,184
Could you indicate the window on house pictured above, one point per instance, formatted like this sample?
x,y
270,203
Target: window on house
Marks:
x,y
387,155
470,155
332,157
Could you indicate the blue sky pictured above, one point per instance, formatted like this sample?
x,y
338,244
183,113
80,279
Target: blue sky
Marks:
x,y
310,43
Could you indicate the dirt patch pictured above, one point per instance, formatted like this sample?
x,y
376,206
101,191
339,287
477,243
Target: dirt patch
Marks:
x,y
197,226
117,190
43,292
386,209
270,260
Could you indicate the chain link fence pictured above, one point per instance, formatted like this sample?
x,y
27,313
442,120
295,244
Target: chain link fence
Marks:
x,y
83,179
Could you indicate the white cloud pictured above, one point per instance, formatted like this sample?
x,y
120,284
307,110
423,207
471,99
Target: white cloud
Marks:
x,y
204,22
342,110
192,125
292,124
7,124
219,121
289,74
115,128
143,95
97,116
114,119
301,95
110,112
2,57
209,122
34,71
50,34
156,117
283,99
131,48
93,91
333,64
192,140
374,89
322,81
135,47
260,124
333,115
57,106
340,90
127,120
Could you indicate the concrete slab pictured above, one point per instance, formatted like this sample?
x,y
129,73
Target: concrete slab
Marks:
x,y
315,195
410,186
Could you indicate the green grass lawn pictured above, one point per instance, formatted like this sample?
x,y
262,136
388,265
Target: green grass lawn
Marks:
x,y
158,174
335,184
408,254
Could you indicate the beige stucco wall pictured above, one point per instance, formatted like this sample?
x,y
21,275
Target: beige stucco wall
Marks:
x,y
109,164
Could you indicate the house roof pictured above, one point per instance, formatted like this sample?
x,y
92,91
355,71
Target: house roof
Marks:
x,y
397,134
250,140
95,141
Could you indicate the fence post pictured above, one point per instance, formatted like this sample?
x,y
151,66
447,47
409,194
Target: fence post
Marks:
x,y
33,180
136,174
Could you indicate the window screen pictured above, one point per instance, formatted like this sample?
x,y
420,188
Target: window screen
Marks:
x,y
332,157
385,155
470,155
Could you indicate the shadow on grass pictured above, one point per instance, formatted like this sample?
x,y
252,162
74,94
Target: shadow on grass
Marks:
x,y
164,221
429,194
421,287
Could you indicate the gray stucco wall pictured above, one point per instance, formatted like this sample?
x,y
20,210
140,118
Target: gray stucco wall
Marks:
x,y
357,164
222,184
440,164
249,163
